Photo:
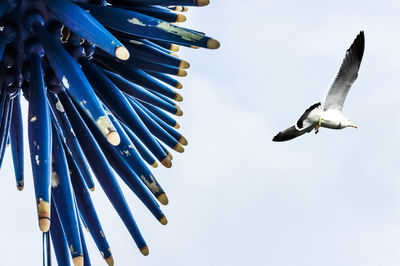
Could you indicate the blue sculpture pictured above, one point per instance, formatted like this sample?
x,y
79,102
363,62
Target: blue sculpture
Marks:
x,y
97,76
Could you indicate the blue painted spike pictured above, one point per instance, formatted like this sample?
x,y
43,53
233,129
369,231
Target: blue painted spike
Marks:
x,y
88,212
157,12
86,259
5,125
85,25
17,143
118,104
160,114
70,139
60,244
140,147
167,79
139,92
102,171
156,129
131,157
166,2
154,45
136,76
125,172
155,67
176,135
73,79
135,23
146,52
64,200
39,132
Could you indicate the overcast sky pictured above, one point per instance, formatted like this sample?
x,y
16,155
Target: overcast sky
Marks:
x,y
237,198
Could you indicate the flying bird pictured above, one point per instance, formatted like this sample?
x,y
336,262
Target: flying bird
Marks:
x,y
329,113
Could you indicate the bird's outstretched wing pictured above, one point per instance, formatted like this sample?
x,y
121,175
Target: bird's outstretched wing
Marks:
x,y
347,75
291,133
299,128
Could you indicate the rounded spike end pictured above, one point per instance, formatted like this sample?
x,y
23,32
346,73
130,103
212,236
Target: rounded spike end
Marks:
x,y
184,64
122,53
144,250
166,162
183,141
179,148
163,199
213,44
163,220
113,138
180,18
203,2
78,261
178,97
109,261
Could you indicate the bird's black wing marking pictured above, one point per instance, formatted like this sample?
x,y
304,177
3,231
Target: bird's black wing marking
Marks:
x,y
291,133
300,122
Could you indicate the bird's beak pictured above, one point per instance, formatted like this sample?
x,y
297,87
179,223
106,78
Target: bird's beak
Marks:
x,y
354,126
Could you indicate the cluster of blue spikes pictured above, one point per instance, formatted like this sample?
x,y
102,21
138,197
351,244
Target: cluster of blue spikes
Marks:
x,y
98,79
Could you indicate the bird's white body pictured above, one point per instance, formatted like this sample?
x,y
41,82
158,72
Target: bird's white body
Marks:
x,y
330,118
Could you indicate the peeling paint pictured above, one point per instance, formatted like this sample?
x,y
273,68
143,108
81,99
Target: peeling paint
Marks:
x,y
127,153
64,81
186,35
135,42
136,22
104,124
73,133
55,179
102,234
33,119
37,160
59,106
153,185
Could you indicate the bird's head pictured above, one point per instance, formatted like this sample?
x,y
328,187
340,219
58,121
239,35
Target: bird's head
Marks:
x,y
347,123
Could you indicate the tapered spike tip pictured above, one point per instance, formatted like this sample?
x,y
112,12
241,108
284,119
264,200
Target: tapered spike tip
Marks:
x,y
178,97
180,18
91,189
183,141
166,162
163,199
144,250
177,126
179,85
163,220
78,261
174,48
155,164
179,148
44,215
170,156
203,2
110,261
178,111
184,64
213,44
122,53
181,72
113,138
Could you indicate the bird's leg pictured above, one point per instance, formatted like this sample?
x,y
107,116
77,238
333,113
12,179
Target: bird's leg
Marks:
x,y
318,126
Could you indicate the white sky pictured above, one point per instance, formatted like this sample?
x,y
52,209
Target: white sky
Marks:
x,y
237,198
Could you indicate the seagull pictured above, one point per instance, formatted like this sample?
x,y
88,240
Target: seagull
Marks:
x,y
329,113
